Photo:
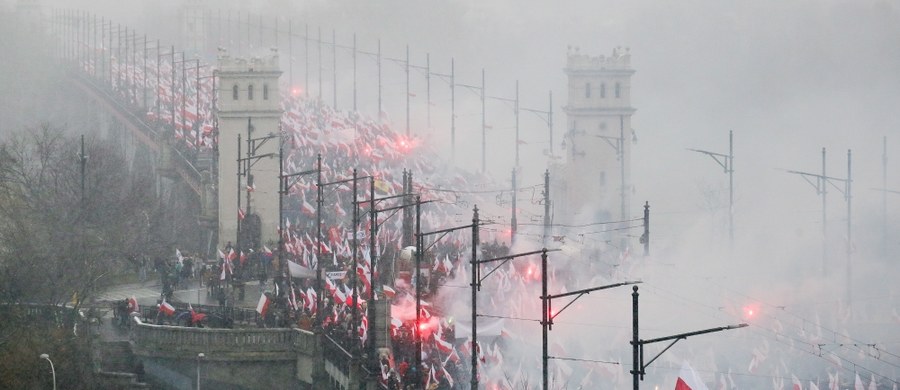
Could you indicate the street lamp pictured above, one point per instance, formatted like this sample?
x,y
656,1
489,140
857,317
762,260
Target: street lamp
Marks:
x,y
200,356
52,370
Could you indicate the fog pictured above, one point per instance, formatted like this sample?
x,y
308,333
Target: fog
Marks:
x,y
787,77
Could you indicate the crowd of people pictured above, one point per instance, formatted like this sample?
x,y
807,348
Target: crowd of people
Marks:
x,y
345,141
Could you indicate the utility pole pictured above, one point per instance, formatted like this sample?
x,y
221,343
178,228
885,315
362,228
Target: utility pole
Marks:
x,y
334,69
546,206
512,220
483,127
319,41
419,250
726,161
637,345
406,65
645,238
820,183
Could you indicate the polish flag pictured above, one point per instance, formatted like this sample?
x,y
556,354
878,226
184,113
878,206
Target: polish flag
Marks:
x,y
166,308
443,346
688,379
241,214
796,383
389,292
263,306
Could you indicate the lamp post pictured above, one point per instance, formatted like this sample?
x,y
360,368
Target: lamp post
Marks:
x,y
52,370
200,356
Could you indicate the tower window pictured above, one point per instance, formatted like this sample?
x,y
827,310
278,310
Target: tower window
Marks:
x,y
234,92
265,91
587,90
618,90
603,90
250,92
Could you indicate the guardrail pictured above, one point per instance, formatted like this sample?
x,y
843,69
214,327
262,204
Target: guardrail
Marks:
x,y
185,168
266,343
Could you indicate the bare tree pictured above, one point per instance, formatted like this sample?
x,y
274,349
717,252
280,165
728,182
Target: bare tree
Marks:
x,y
66,232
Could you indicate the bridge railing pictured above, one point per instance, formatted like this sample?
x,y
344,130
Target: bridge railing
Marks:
x,y
237,315
167,339
188,167
337,363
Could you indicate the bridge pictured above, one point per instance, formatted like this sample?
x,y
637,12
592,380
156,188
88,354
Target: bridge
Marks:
x,y
193,132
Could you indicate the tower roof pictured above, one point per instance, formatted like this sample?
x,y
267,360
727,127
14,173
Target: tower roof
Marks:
x,y
619,61
267,63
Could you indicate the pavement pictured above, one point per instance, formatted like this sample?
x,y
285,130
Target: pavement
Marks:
x,y
190,291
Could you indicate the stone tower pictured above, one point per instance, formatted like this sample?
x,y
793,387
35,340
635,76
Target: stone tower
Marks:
x,y
249,106
594,183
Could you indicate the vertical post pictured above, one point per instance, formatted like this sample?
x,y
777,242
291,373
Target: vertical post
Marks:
x,y
184,95
406,220
354,73
406,68
158,60
514,225
884,223
419,247
282,190
824,191
373,231
452,112
306,59
516,108
173,94
319,309
636,368
290,38
646,237
546,206
428,87
483,127
621,150
334,68
545,320
197,125
731,186
109,49
237,239
550,124
380,110
144,94
475,285
354,278
848,197
319,41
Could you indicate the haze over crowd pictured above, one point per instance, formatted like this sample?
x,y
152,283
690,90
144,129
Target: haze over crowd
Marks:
x,y
789,78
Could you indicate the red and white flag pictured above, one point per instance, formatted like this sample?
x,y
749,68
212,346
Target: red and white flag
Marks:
x,y
166,308
688,379
443,346
796,383
241,214
389,292
262,307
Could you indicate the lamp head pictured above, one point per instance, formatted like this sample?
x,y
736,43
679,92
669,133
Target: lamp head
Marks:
x,y
44,356
200,355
